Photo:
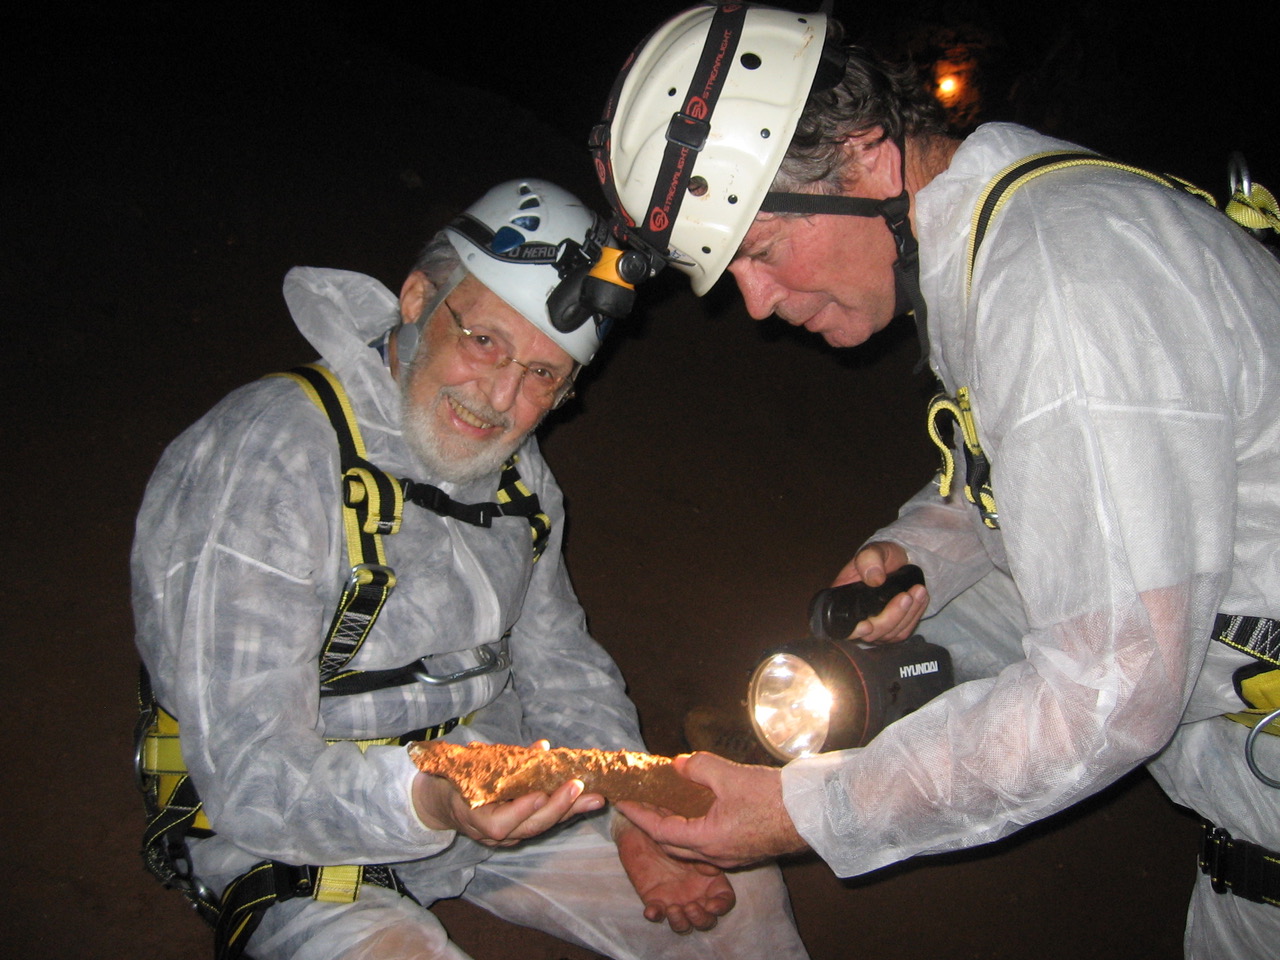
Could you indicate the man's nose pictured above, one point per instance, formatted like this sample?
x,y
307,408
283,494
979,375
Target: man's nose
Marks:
x,y
505,384
760,293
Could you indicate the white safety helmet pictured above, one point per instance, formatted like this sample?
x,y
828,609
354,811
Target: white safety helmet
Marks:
x,y
523,240
730,81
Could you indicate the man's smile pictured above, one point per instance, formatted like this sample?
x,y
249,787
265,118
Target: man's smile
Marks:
x,y
467,416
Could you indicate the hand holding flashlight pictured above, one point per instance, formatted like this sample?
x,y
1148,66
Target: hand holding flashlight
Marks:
x,y
899,606
832,692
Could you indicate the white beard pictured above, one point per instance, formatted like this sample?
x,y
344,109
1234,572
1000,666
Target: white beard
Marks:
x,y
452,459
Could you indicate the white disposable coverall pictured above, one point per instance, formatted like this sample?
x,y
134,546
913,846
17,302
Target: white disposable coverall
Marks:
x,y
238,563
1122,347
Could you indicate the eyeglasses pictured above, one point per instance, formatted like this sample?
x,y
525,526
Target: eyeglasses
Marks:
x,y
541,385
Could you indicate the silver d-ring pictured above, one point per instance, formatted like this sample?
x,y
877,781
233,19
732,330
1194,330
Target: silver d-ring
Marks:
x,y
1248,749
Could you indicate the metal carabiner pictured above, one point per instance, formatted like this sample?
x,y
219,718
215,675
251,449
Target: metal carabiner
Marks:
x,y
1238,175
1248,749
489,663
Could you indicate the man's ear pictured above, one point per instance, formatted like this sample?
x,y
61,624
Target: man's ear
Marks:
x,y
414,296
873,164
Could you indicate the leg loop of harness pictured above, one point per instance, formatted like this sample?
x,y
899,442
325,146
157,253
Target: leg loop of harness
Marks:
x,y
1239,867
251,894
175,813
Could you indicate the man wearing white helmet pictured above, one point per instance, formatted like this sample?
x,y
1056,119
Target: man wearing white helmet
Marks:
x,y
286,806
1108,579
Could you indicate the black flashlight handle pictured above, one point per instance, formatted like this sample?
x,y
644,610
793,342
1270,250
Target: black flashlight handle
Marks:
x,y
834,612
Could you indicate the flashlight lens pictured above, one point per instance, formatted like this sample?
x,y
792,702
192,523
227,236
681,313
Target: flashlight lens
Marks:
x,y
790,707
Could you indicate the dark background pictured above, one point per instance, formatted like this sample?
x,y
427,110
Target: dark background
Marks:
x,y
165,164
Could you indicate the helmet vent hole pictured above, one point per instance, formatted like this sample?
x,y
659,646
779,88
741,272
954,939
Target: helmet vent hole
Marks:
x,y
671,92
750,61
698,186
706,250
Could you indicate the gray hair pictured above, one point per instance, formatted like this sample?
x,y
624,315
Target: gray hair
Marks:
x,y
438,259
873,93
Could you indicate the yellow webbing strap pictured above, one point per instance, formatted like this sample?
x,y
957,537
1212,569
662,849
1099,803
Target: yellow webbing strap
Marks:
x,y
338,884
1262,693
977,488
1256,210
513,490
1023,171
162,759
372,506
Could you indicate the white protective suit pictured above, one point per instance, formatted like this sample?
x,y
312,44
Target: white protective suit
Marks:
x,y
238,563
1122,346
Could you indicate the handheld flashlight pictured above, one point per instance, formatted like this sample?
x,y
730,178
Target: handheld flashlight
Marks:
x,y
831,693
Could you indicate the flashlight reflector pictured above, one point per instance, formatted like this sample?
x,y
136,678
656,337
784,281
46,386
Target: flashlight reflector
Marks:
x,y
790,707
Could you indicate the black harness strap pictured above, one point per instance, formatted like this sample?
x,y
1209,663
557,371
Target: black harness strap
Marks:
x,y
1239,867
269,882
514,500
1256,636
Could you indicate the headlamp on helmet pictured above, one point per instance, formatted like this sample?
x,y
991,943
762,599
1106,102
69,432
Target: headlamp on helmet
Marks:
x,y
539,249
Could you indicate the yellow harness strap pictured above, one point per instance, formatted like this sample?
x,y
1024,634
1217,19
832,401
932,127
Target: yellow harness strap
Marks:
x,y
1256,209
1262,693
977,489
372,507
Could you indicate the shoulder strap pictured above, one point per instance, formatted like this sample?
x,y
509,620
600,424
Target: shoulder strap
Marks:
x,y
372,505
1027,169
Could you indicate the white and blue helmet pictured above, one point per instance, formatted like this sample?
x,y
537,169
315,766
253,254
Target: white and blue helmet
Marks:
x,y
530,241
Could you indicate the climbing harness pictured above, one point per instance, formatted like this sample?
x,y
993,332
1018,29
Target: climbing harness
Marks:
x,y
372,508
1251,206
1236,866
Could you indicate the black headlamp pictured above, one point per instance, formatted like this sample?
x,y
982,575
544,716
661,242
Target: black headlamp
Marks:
x,y
830,693
598,280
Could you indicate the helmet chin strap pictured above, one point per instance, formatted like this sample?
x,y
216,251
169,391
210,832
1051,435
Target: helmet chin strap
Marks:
x,y
408,334
895,211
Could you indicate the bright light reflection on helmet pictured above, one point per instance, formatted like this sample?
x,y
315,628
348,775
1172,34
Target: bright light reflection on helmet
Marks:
x,y
791,707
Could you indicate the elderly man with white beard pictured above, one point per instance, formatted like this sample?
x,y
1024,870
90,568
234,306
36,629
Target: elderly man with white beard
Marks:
x,y
303,611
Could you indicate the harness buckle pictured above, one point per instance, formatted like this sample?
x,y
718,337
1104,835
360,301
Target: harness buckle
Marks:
x,y
362,574
291,881
688,131
184,878
1214,843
